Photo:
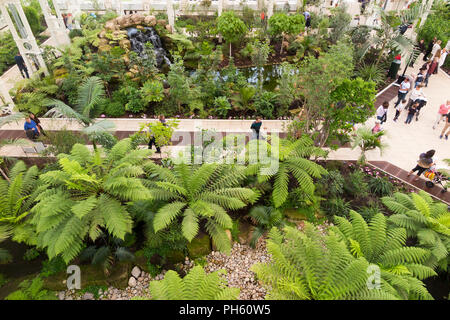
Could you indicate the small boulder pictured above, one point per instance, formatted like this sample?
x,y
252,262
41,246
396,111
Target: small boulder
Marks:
x,y
88,296
136,272
150,20
132,282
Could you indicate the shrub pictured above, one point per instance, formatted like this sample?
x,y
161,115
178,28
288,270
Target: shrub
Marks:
x,y
32,290
61,141
265,104
381,186
331,184
8,50
336,207
356,185
222,106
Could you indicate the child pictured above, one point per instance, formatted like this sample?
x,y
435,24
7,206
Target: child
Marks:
x,y
420,77
399,109
377,127
411,112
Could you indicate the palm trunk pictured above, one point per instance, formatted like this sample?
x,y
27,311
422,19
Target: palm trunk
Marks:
x,y
230,50
380,54
282,40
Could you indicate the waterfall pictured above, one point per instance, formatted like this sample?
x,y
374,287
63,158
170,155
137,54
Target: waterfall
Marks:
x,y
139,38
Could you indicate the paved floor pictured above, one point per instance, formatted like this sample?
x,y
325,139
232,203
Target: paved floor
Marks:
x,y
407,141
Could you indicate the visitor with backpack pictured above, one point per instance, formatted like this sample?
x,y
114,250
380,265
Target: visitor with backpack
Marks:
x,y
411,111
432,69
425,162
399,108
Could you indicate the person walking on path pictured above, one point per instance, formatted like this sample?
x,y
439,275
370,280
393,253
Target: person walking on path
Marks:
x,y
432,69
429,49
382,112
422,102
442,112
377,127
31,129
22,67
425,162
399,109
416,93
420,77
152,141
403,90
447,126
256,127
411,111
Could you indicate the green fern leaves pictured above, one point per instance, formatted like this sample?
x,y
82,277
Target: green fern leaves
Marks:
x,y
86,198
199,194
196,285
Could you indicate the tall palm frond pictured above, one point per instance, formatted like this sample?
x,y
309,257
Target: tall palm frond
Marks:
x,y
90,93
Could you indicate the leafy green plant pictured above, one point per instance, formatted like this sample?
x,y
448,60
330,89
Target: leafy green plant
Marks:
x,y
202,194
293,158
311,266
424,219
366,140
87,194
381,186
89,95
5,256
61,141
152,91
264,103
370,72
222,106
265,219
331,184
8,51
53,266
32,290
231,27
31,254
401,266
336,207
196,285
356,185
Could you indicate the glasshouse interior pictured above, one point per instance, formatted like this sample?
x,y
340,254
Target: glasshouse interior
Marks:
x,y
224,150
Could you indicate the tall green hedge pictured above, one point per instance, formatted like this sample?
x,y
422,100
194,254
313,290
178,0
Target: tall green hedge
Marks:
x,y
437,25
8,50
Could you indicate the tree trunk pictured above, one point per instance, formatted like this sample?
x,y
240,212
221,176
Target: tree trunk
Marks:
x,y
380,54
282,40
230,50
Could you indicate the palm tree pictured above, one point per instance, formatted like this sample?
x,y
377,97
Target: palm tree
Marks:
x,y
292,157
196,285
309,265
388,36
85,199
90,93
401,266
203,193
425,220
366,140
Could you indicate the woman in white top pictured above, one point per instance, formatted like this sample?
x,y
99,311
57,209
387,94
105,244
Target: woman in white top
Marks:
x,y
436,47
416,93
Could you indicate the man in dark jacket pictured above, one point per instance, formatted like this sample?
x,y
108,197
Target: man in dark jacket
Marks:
x,y
21,64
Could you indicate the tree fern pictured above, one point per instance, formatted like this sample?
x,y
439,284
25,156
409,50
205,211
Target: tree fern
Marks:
x,y
292,157
86,199
388,250
265,218
311,266
196,285
424,219
193,195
